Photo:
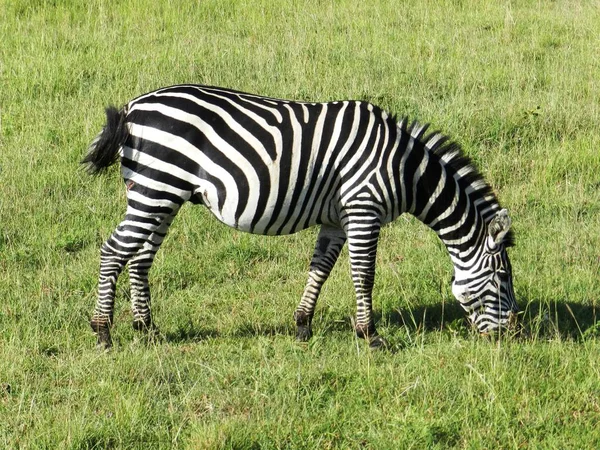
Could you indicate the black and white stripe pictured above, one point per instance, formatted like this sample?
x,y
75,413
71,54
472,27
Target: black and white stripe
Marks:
x,y
275,167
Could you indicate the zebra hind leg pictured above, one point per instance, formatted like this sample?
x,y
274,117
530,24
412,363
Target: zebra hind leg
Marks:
x,y
329,244
363,235
127,241
139,266
111,265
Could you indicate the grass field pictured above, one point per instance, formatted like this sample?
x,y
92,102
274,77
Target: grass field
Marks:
x,y
517,83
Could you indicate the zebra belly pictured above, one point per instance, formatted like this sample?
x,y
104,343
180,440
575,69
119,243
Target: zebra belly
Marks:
x,y
272,221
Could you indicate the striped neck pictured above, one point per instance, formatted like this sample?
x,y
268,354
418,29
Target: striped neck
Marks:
x,y
442,188
445,191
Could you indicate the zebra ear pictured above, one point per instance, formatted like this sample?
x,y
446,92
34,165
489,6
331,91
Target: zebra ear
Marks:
x,y
499,226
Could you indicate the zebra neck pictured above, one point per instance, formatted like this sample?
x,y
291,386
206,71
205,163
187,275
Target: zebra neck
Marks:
x,y
441,188
460,223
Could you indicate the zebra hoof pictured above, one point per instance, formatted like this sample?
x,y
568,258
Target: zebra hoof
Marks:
x,y
101,327
104,341
377,343
143,325
149,331
303,334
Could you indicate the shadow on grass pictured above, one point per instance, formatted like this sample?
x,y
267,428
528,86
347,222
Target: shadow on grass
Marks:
x,y
189,334
541,319
555,318
562,318
193,333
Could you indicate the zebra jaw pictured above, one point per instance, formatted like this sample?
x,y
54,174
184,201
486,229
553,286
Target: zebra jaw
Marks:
x,y
512,324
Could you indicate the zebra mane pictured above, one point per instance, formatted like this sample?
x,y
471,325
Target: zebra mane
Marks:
x,y
454,158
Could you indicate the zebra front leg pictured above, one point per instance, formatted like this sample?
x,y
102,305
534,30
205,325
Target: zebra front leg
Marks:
x,y
329,244
363,235
139,267
124,243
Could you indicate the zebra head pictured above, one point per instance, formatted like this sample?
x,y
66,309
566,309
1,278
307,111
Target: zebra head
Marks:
x,y
484,288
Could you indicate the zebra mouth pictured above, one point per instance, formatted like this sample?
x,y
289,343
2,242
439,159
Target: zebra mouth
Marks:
x,y
511,324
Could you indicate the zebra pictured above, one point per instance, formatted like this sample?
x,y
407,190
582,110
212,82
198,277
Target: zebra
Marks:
x,y
274,167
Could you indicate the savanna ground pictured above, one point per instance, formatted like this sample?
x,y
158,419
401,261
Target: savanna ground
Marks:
x,y
516,83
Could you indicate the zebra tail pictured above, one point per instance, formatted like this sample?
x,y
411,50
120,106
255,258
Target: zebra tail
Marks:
x,y
103,152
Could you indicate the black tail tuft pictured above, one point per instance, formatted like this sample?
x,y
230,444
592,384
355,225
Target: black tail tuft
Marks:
x,y
103,152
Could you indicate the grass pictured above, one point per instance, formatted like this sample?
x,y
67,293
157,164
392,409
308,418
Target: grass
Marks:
x,y
516,83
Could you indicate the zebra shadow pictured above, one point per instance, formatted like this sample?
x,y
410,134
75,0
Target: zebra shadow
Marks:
x,y
562,318
424,318
539,319
186,333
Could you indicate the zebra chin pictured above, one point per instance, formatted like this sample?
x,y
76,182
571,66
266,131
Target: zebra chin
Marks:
x,y
491,322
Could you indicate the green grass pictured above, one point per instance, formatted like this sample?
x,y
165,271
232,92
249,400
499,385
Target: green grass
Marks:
x,y
516,83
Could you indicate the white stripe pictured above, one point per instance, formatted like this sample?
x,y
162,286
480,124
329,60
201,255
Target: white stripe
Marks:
x,y
418,174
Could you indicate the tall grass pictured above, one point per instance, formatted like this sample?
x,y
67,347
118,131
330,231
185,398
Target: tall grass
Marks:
x,y
516,83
